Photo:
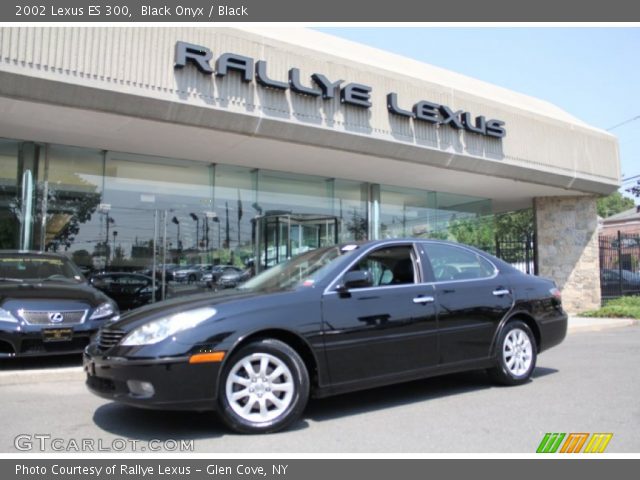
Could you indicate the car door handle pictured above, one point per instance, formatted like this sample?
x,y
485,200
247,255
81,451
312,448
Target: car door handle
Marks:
x,y
423,300
501,291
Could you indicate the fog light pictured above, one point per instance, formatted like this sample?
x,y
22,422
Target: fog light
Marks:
x,y
140,389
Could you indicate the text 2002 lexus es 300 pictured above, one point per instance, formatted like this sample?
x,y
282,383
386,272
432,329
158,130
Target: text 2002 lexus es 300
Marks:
x,y
331,320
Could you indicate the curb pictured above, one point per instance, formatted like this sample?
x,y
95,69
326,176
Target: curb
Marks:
x,y
587,324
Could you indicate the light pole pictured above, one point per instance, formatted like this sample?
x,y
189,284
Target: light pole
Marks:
x,y
197,220
115,234
216,219
109,220
177,222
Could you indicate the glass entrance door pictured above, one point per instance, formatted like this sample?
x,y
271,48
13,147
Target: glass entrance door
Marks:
x,y
278,236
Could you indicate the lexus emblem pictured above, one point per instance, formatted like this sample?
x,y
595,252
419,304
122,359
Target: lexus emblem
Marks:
x,y
56,317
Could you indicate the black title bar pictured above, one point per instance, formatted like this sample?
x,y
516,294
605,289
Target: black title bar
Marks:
x,y
129,11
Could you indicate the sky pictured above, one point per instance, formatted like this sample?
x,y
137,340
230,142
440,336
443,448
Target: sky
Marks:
x,y
592,73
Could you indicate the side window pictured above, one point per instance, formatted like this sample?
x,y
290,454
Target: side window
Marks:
x,y
389,266
454,263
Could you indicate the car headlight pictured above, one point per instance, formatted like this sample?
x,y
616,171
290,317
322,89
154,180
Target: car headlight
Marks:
x,y
104,310
6,316
163,328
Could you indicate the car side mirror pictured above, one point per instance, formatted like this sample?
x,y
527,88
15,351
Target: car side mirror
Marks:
x,y
355,279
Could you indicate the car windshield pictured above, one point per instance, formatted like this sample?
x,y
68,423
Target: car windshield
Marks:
x,y
21,268
305,270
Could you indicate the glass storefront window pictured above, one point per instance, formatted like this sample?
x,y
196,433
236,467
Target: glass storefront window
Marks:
x,y
9,223
420,213
119,211
235,204
350,205
152,200
71,179
406,212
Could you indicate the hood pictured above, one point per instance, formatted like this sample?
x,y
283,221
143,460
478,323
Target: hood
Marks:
x,y
50,291
142,315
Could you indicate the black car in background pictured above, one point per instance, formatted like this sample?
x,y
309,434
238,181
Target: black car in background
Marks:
x,y
331,320
128,290
233,278
189,273
614,282
46,305
211,278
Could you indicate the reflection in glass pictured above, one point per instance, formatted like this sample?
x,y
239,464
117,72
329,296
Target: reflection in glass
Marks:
x,y
137,189
9,224
408,212
73,194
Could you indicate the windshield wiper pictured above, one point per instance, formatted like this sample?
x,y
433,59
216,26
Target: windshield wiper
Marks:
x,y
10,279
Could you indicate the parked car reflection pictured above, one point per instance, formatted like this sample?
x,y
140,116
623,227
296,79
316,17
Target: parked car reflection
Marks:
x,y
46,305
210,278
129,290
233,278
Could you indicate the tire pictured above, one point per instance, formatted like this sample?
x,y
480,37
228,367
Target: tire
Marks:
x,y
191,279
263,403
516,355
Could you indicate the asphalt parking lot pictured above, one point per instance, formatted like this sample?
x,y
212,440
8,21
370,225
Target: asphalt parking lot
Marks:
x,y
590,383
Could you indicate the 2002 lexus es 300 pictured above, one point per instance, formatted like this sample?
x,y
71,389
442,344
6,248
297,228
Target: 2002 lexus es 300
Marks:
x,y
331,320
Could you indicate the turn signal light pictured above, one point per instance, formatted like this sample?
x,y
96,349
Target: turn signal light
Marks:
x,y
209,357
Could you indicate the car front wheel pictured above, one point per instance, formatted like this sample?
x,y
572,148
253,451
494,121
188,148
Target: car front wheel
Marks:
x,y
264,387
516,356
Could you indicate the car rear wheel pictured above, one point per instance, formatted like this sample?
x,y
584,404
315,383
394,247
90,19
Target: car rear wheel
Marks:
x,y
516,356
264,387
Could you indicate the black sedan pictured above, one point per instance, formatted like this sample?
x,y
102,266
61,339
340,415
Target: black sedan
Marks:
x,y
331,320
46,305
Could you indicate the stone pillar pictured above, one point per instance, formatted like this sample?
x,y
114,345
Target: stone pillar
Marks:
x,y
567,240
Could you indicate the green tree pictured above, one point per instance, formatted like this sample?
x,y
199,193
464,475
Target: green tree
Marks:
x,y
483,231
479,232
614,203
357,226
515,224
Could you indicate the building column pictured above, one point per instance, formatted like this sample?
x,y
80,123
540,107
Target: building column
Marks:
x,y
567,243
26,186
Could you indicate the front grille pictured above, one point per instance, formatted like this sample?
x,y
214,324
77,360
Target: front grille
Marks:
x,y
53,317
108,338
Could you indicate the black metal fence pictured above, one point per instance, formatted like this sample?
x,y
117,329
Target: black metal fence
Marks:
x,y
517,250
619,264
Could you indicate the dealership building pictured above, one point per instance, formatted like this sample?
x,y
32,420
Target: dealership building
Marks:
x,y
141,147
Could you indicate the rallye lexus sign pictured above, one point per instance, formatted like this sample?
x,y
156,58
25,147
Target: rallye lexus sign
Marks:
x,y
355,94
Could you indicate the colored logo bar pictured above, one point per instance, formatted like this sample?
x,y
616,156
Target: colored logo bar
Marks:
x,y
573,442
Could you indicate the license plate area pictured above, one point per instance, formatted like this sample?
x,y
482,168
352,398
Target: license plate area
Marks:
x,y
57,334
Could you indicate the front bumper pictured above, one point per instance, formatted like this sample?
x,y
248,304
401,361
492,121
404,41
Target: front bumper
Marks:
x,y
29,340
177,384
